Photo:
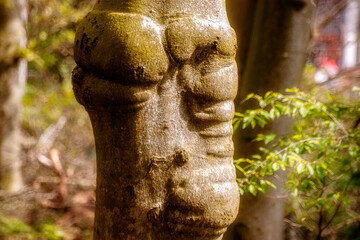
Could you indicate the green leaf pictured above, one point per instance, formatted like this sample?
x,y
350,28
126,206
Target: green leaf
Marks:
x,y
276,166
284,158
261,121
310,168
252,190
251,95
236,125
320,171
270,184
253,123
300,168
292,90
320,155
249,119
269,138
272,114
237,114
264,150
295,192
328,95
303,111
282,165
240,169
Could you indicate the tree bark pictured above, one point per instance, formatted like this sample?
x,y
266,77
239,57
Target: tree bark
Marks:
x,y
241,15
158,79
275,61
13,71
350,55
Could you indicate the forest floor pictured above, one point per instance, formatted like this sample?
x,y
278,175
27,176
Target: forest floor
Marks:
x,y
58,155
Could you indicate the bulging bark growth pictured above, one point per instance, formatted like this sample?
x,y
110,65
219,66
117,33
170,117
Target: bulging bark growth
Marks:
x,y
12,80
158,79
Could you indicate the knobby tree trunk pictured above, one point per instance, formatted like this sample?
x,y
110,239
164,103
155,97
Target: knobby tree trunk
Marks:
x,y
13,71
275,61
158,79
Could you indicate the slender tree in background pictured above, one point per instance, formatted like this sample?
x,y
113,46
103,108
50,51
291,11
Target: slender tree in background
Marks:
x,y
13,70
274,62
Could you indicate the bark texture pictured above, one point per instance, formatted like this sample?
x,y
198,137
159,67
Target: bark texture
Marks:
x,y
12,80
241,15
158,79
274,62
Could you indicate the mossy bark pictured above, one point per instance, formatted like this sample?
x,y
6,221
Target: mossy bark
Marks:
x,y
158,79
12,80
274,62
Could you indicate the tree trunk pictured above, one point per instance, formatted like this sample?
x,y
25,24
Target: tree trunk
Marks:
x,y
158,79
241,15
12,81
275,61
351,35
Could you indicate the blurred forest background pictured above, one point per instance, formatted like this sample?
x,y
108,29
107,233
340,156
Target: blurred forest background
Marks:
x,y
57,146
58,153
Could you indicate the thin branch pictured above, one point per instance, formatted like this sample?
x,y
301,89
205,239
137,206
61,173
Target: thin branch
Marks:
x,y
320,229
338,206
319,225
253,172
295,143
330,15
326,112
47,139
293,224
283,97
347,222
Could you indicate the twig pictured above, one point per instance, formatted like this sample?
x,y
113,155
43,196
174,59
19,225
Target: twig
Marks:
x,y
47,139
325,111
55,157
291,223
284,97
320,221
55,180
295,143
330,15
337,207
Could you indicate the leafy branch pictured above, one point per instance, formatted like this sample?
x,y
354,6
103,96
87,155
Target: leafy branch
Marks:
x,y
321,154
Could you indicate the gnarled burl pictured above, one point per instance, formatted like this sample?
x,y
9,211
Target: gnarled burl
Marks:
x,y
158,79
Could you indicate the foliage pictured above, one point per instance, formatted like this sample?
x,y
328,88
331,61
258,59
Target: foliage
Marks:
x,y
321,155
48,98
51,32
20,230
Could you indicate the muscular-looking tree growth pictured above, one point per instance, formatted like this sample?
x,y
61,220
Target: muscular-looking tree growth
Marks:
x,y
12,79
158,79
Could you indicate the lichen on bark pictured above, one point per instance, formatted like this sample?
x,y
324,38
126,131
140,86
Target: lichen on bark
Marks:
x,y
158,79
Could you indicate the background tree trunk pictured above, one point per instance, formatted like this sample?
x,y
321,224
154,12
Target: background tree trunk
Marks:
x,y
241,14
12,80
275,61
